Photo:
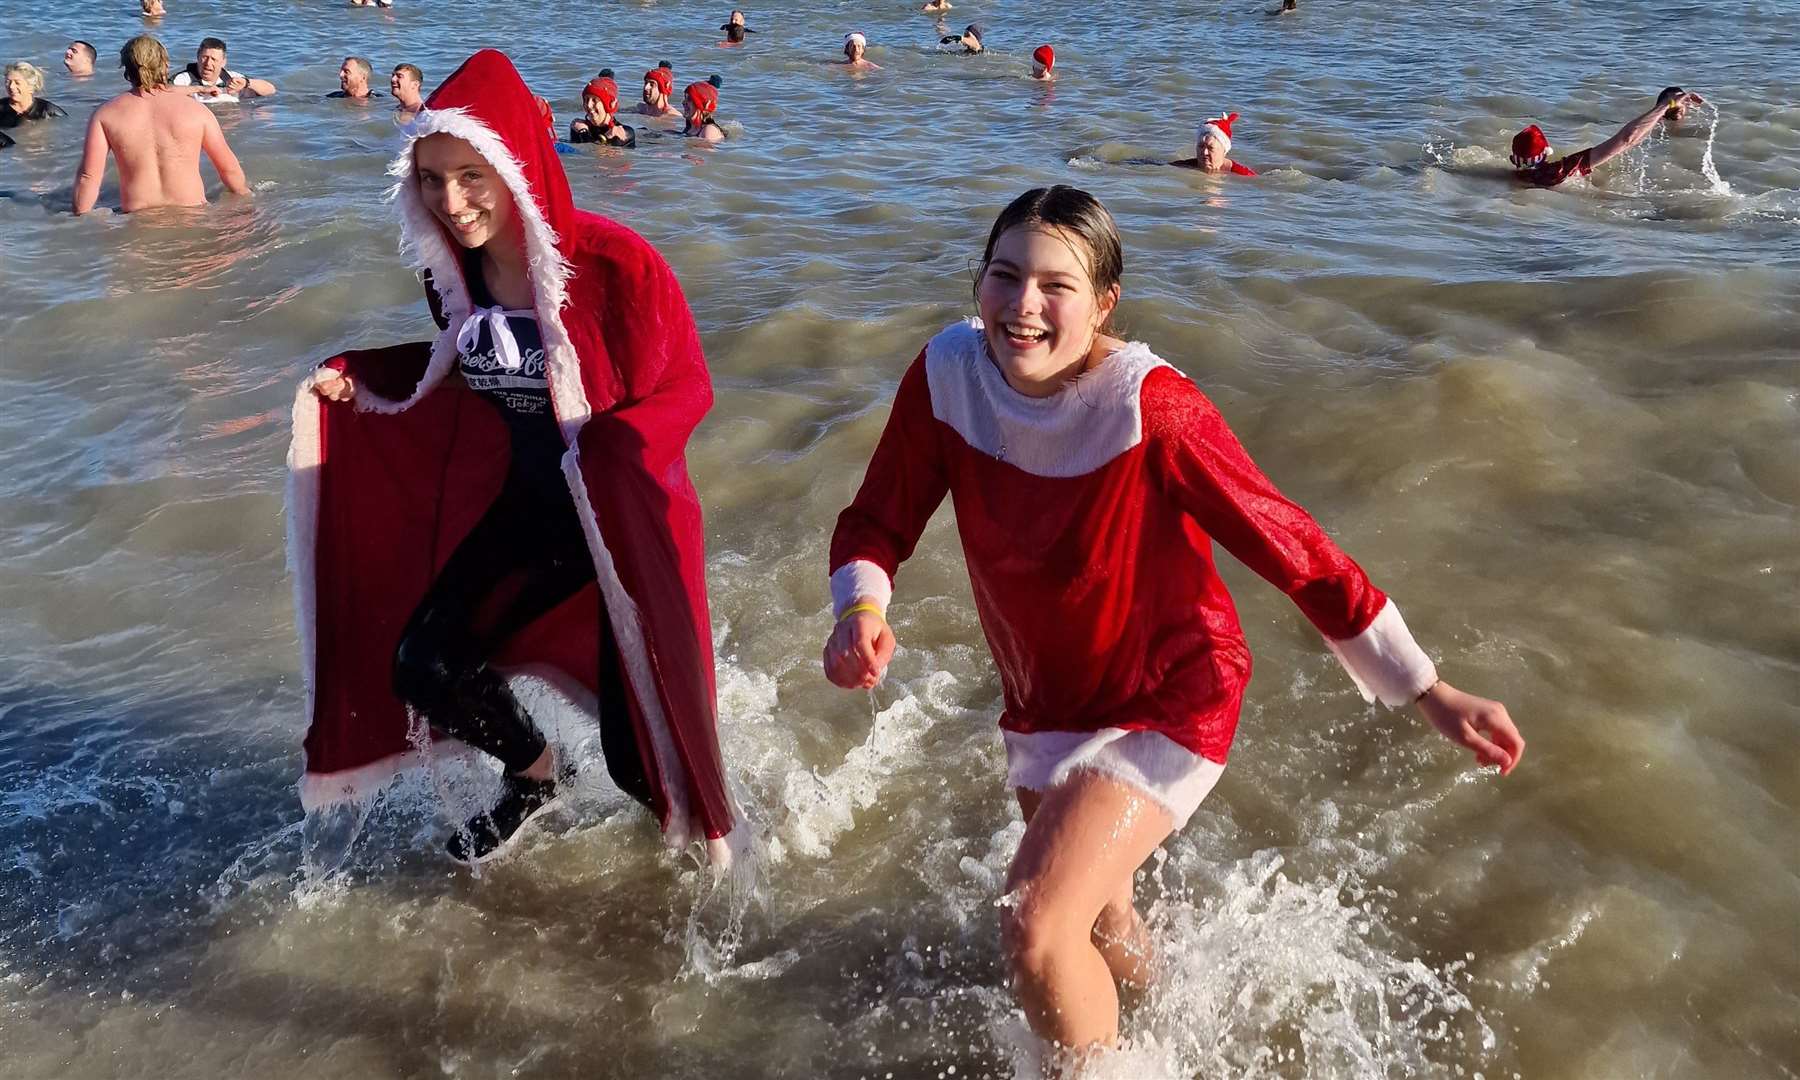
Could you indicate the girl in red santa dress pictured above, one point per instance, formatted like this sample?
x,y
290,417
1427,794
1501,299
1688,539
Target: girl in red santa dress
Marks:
x,y
511,499
1090,478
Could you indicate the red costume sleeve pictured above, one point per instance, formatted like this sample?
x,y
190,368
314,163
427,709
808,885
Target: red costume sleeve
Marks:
x,y
1242,170
903,487
1203,468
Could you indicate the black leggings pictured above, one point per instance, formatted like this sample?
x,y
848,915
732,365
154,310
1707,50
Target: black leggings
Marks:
x,y
440,665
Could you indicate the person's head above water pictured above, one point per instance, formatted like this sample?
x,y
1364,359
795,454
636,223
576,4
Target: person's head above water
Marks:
x,y
659,84
209,58
79,57
737,17
1675,101
1212,143
855,45
701,100
969,39
1048,286
1043,62
24,82
405,84
353,76
600,98
152,9
145,62
1529,147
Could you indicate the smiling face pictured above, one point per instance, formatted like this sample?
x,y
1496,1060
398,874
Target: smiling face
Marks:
x,y
464,192
18,90
595,108
1038,307
211,63
351,78
404,86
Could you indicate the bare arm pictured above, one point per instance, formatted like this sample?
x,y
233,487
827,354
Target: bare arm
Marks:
x,y
1627,137
218,151
92,169
244,84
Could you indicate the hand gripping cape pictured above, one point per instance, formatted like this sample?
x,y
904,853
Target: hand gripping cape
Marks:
x,y
382,489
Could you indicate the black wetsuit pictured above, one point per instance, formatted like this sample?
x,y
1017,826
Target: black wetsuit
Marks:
x,y
530,537
41,108
693,132
5,140
346,94
584,131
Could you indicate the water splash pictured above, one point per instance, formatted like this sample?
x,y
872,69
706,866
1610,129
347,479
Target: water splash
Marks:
x,y
1707,168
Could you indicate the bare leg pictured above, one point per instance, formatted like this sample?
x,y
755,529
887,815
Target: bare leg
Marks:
x,y
1119,933
1083,842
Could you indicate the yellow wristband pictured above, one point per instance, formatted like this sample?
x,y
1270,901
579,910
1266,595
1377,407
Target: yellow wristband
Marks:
x,y
854,608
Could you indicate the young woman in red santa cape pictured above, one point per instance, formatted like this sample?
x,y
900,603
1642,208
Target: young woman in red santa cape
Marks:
x,y
1090,478
511,500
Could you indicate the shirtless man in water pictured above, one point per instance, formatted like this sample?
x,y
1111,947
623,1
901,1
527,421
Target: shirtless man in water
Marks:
x,y
156,136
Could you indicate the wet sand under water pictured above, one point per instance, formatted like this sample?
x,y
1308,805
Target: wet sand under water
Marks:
x,y
1562,428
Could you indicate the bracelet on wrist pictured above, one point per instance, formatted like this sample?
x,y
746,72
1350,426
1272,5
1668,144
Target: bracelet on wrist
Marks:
x,y
853,609
1423,693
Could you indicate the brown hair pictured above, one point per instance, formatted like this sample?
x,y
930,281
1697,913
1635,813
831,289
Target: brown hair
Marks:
x,y
1073,212
413,70
146,62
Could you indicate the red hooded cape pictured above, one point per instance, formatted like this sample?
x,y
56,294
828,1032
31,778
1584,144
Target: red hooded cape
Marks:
x,y
381,490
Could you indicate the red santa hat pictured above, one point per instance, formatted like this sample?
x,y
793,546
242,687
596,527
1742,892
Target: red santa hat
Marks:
x,y
604,90
664,78
1529,147
1045,56
1219,127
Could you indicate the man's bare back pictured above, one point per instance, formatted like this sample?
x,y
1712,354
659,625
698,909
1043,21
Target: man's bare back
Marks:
x,y
156,137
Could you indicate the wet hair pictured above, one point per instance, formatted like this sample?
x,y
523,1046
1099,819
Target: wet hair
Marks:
x,y
413,70
367,69
210,43
145,61
1290,5
86,47
34,76
1669,94
1073,212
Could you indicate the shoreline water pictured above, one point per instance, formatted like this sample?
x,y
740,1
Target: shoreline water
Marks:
x,y
1559,426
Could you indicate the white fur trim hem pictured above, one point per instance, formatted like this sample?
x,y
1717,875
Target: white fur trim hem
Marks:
x,y
1169,774
1385,662
859,579
1216,132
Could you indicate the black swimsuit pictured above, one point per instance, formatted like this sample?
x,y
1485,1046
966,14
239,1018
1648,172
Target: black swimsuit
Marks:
x,y
589,133
41,108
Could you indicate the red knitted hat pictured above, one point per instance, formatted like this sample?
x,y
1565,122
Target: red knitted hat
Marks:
x,y
664,78
703,96
605,91
1529,147
1046,56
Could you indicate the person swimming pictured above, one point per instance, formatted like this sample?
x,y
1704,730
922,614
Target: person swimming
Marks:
x,y
24,82
700,106
1288,7
855,48
936,7
601,125
659,87
969,39
1531,149
1211,145
1043,63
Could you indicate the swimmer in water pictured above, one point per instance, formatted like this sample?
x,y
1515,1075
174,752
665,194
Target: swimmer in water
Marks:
x,y
735,29
151,9
406,84
855,46
936,7
78,58
1531,150
1043,63
659,87
1211,143
210,82
600,99
701,104
1121,696
969,39
24,82
1288,7
353,80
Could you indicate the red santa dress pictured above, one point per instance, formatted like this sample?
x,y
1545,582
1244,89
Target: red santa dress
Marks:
x,y
381,490
1087,520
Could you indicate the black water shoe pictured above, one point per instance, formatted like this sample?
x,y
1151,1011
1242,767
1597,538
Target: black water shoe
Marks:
x,y
492,834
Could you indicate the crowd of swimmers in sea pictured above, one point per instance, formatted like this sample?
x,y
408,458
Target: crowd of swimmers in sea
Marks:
x,y
208,79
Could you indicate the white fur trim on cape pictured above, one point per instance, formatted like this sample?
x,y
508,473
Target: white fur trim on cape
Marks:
x,y
857,579
1094,418
549,271
1168,773
1384,661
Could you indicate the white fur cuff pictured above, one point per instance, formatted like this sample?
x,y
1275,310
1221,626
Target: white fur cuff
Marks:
x,y
860,579
1385,662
